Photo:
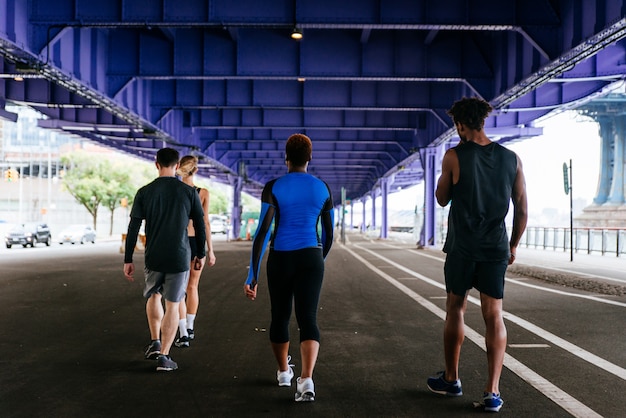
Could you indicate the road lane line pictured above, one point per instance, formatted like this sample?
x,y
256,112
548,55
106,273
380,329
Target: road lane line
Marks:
x,y
546,335
518,282
554,393
574,295
529,345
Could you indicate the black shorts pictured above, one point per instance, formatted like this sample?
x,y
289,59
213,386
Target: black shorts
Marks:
x,y
462,274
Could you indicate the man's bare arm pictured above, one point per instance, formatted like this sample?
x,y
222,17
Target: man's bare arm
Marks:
x,y
449,166
520,209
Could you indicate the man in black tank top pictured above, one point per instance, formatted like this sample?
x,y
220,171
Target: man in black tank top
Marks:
x,y
479,178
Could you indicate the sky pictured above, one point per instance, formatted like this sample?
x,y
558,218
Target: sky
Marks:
x,y
565,136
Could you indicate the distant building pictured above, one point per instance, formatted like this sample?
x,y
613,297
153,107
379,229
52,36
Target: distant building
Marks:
x,y
36,194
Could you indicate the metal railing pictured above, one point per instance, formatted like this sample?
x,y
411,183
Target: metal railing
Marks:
x,y
605,241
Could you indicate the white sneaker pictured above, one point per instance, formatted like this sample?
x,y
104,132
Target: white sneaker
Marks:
x,y
284,378
305,390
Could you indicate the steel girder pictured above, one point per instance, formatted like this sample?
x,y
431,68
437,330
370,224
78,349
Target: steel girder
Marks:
x,y
369,82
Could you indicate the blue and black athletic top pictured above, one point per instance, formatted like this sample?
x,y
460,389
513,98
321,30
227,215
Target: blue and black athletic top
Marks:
x,y
297,202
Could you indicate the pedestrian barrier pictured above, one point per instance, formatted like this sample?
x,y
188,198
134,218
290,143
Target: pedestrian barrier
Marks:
x,y
589,240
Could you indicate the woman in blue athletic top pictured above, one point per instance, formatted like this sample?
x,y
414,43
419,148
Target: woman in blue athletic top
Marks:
x,y
296,203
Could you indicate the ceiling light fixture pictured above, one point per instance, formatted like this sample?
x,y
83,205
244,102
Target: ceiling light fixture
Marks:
x,y
296,34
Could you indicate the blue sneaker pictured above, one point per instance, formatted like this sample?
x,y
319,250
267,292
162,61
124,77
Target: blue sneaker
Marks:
x,y
438,384
492,401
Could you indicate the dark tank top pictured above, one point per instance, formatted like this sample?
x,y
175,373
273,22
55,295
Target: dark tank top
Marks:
x,y
480,202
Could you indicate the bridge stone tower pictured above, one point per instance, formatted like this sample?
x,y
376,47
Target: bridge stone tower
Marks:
x,y
609,205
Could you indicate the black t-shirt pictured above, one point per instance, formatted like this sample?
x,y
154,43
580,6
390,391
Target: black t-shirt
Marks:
x,y
480,202
166,204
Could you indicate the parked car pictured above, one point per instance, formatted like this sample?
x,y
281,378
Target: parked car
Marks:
x,y
218,224
28,234
77,233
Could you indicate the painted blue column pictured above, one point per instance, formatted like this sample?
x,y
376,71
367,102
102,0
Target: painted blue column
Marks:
x,y
616,196
431,163
237,209
351,215
384,192
373,223
363,221
607,134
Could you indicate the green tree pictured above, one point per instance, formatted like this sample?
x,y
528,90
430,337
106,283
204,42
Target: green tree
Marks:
x,y
120,189
95,181
250,204
218,202
218,199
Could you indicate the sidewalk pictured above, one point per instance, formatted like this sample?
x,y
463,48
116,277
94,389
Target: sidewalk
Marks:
x,y
590,272
611,265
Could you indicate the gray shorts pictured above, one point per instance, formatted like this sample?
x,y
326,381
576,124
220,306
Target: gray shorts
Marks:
x,y
171,285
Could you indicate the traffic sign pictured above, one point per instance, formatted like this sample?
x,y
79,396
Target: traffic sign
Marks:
x,y
565,178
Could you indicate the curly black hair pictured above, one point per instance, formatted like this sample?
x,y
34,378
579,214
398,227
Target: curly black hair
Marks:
x,y
298,149
471,112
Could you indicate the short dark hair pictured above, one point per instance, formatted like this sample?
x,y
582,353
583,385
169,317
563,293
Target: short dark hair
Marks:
x,y
471,112
167,157
298,149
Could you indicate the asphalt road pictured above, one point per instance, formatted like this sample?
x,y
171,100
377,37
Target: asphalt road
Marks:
x,y
73,331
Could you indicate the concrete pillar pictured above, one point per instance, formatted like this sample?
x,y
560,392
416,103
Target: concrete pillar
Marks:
x,y
606,156
616,196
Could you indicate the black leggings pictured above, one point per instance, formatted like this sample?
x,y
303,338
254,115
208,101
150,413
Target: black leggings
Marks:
x,y
295,276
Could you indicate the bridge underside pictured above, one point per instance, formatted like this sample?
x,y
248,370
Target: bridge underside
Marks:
x,y
369,82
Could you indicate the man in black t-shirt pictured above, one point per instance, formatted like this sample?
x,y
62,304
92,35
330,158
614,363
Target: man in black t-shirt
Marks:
x,y
479,178
166,204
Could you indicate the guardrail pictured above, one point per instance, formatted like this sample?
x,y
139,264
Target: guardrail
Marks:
x,y
605,241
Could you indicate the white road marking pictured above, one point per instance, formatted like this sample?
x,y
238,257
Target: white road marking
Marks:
x,y
557,395
529,345
424,254
546,335
521,281
560,292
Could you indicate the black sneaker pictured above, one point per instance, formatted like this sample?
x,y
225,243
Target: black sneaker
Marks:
x,y
190,333
165,363
153,350
182,341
